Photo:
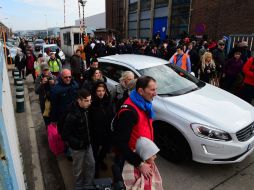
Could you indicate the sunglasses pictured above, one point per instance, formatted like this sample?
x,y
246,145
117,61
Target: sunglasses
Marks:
x,y
222,44
66,77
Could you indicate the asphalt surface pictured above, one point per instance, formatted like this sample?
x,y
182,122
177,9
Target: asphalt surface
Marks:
x,y
57,173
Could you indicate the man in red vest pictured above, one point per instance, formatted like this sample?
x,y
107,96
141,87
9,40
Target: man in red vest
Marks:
x,y
135,121
181,59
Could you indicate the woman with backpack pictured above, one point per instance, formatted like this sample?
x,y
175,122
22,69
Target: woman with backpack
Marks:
x,y
101,115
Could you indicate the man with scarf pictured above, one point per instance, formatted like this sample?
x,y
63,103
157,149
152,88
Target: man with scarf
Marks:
x,y
134,121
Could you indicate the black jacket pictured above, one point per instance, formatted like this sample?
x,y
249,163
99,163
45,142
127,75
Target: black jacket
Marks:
x,y
101,114
76,129
20,64
77,65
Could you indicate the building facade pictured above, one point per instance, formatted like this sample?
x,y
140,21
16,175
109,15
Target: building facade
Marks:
x,y
222,18
145,18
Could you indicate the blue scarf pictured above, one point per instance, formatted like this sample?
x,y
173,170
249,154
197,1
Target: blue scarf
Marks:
x,y
143,104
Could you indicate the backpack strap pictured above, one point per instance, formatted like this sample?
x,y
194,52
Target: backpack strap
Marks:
x,y
123,108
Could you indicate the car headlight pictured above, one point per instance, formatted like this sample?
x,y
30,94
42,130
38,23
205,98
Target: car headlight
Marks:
x,y
209,132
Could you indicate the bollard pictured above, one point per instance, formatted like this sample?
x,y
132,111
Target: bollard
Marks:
x,y
14,70
19,82
20,100
16,76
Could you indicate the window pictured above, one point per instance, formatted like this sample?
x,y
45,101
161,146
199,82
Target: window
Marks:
x,y
112,71
133,7
161,3
77,38
145,4
67,38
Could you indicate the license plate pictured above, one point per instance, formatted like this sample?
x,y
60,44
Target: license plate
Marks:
x,y
250,146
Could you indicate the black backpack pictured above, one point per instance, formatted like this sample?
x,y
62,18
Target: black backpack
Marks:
x,y
115,120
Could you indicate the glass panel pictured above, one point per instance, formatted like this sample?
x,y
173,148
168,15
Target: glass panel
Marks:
x,y
132,25
175,2
67,38
77,38
161,3
145,4
145,24
181,10
133,7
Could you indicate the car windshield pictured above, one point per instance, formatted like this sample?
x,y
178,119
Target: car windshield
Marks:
x,y
170,82
51,49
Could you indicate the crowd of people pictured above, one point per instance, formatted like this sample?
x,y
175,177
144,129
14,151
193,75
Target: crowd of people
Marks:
x,y
208,60
92,120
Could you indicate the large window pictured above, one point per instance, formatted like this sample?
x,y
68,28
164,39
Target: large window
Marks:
x,y
133,7
161,3
67,38
77,38
180,17
145,4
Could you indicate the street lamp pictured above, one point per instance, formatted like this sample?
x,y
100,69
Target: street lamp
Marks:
x,y
83,3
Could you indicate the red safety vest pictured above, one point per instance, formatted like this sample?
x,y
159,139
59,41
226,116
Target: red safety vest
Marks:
x,y
143,128
184,61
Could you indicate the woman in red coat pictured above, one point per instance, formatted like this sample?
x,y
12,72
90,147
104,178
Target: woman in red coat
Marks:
x,y
248,90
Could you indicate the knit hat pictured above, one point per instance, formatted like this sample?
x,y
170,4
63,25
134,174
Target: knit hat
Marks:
x,y
146,148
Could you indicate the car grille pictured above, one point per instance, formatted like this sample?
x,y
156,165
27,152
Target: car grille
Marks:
x,y
246,133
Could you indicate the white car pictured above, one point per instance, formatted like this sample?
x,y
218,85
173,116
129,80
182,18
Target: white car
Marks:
x,y
52,48
193,119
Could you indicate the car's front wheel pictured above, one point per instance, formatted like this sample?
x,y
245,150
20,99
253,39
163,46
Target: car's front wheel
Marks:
x,y
173,146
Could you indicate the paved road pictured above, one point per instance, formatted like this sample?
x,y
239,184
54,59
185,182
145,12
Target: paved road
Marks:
x,y
196,176
187,176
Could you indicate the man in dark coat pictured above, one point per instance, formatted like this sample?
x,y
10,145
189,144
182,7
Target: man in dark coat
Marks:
x,y
219,58
20,63
76,131
77,67
62,95
43,84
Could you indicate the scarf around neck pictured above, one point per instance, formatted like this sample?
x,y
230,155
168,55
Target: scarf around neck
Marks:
x,y
143,104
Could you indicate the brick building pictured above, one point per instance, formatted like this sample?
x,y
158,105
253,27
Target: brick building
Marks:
x,y
218,18
144,18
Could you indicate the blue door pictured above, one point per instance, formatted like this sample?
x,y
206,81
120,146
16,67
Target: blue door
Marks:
x,y
160,26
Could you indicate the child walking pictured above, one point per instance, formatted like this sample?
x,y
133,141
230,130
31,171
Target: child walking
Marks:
x,y
133,179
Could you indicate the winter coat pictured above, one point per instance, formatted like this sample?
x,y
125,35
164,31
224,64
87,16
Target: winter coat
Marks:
x,y
30,62
121,94
77,65
62,95
233,67
101,114
43,90
20,62
248,70
76,130
219,59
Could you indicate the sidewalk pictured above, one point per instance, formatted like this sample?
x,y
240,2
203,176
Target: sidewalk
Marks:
x,y
40,166
57,172
28,144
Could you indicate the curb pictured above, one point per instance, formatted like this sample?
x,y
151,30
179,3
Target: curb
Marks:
x,y
38,183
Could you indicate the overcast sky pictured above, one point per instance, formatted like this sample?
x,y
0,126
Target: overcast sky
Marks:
x,y
39,14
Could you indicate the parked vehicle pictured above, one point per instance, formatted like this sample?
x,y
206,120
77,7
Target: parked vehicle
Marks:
x,y
194,120
39,42
52,48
